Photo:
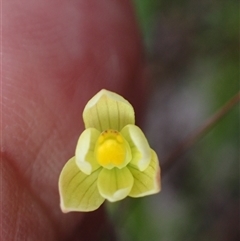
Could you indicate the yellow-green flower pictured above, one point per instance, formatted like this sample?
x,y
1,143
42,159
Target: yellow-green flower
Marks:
x,y
112,160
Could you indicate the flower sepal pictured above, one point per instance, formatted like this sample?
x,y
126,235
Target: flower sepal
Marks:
x,y
113,159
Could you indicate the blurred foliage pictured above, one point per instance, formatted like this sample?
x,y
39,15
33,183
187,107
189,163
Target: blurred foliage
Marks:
x,y
191,45
146,11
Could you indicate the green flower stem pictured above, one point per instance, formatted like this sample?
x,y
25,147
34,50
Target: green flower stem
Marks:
x,y
199,133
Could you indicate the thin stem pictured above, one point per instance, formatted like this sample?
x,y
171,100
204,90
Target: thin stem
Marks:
x,y
201,131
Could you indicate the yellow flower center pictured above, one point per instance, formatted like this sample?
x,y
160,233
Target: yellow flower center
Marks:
x,y
110,150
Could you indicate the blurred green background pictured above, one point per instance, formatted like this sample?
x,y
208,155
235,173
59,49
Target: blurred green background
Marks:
x,y
192,54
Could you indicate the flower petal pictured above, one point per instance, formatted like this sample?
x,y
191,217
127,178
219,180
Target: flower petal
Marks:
x,y
141,151
108,110
146,182
84,153
112,150
78,191
115,184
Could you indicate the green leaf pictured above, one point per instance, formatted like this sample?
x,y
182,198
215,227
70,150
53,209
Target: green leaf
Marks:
x,y
108,110
115,184
78,191
148,181
141,152
84,153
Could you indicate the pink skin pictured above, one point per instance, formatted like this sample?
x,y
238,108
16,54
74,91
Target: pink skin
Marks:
x,y
56,56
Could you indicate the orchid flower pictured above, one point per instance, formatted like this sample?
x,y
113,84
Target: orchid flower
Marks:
x,y
112,159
